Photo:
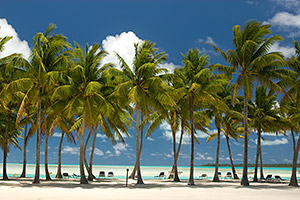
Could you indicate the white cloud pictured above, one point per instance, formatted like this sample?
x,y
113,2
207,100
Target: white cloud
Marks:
x,y
289,4
150,139
287,51
14,45
240,154
204,156
56,134
71,150
287,160
208,39
98,152
274,142
169,66
119,147
163,155
101,136
123,44
167,133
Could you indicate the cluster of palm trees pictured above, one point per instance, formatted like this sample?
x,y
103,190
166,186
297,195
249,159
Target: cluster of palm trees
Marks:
x,y
71,89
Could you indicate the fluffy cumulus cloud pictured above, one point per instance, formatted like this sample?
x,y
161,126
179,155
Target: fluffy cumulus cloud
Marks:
x,y
98,152
167,133
286,19
119,148
70,150
287,51
14,45
56,134
123,44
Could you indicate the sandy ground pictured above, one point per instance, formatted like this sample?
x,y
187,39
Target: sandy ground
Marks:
x,y
23,189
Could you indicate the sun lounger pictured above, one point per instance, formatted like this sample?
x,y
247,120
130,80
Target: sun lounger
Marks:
x,y
75,175
269,178
101,174
110,175
203,176
278,179
228,175
161,175
66,175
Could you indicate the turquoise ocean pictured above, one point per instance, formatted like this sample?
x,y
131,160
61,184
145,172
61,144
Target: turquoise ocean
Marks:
x,y
148,172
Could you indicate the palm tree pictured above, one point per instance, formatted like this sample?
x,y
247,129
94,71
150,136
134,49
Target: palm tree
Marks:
x,y
200,84
251,61
290,106
143,87
47,58
264,116
83,93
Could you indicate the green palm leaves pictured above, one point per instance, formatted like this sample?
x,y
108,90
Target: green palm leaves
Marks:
x,y
251,61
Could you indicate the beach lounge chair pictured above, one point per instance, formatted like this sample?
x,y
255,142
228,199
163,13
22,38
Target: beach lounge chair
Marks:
x,y
228,175
110,175
269,178
75,175
161,175
278,179
66,175
101,174
203,176
219,174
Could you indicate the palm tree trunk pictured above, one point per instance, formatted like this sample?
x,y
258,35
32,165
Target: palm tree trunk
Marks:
x,y
58,174
91,176
83,179
5,149
216,177
132,175
257,154
46,156
23,174
261,163
293,180
38,138
84,154
245,181
174,168
138,168
177,155
191,110
235,176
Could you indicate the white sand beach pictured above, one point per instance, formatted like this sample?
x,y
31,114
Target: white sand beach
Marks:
x,y
23,189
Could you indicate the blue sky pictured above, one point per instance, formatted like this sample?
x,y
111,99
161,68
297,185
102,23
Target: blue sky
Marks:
x,y
175,26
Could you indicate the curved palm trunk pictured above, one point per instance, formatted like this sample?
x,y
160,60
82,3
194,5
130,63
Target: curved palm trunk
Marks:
x,y
245,181
293,180
261,164
174,169
58,174
176,155
83,179
23,174
138,168
235,176
38,138
216,177
91,176
46,157
132,175
5,149
191,106
84,154
255,179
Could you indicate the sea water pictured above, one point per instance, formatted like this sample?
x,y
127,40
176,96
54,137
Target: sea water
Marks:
x,y
148,172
